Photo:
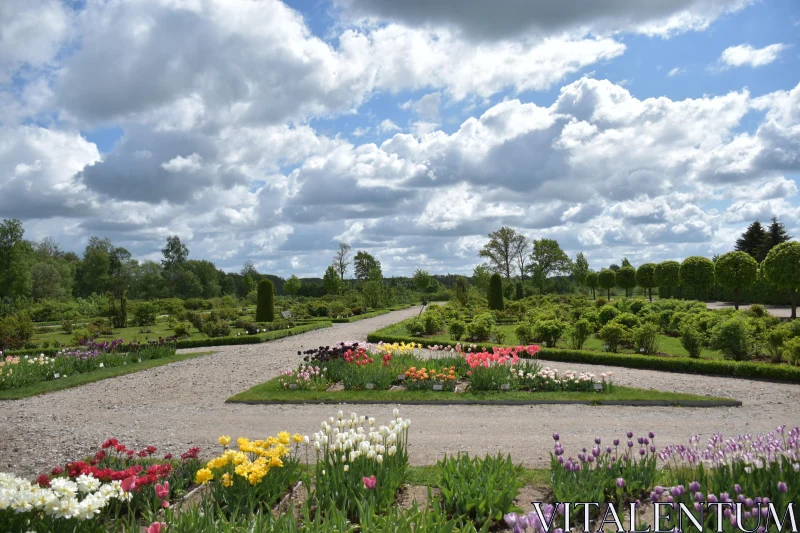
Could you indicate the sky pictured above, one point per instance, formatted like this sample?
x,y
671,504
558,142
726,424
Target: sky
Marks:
x,y
270,131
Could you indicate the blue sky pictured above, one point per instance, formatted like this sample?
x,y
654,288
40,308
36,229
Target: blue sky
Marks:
x,y
271,131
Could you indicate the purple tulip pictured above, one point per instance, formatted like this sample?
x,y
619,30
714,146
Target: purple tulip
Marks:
x,y
641,451
522,521
640,440
620,483
511,519
597,440
555,436
630,434
518,529
697,507
698,496
712,498
659,490
533,521
694,486
748,502
561,460
652,448
737,489
782,488
608,449
630,444
616,442
651,435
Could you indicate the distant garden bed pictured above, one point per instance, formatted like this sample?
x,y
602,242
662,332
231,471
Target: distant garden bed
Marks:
x,y
405,374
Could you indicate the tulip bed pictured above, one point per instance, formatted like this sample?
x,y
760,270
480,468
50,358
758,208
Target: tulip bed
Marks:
x,y
405,371
353,472
18,372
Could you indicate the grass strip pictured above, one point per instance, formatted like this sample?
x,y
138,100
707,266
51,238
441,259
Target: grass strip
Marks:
x,y
76,380
272,392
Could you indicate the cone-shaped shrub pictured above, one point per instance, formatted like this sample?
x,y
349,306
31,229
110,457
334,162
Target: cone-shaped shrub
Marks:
x,y
265,310
496,292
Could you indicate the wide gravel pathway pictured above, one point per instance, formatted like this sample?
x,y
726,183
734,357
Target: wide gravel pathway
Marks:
x,y
182,404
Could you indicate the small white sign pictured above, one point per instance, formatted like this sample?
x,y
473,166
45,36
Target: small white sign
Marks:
x,y
370,386
292,386
401,377
437,386
641,350
505,386
598,386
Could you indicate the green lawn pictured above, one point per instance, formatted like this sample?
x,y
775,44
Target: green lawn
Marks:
x,y
272,391
667,345
76,380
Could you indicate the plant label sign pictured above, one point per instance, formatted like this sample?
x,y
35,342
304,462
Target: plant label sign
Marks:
x,y
370,386
598,387
505,386
401,377
437,386
292,386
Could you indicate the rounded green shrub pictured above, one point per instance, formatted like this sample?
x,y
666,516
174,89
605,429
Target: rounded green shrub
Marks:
x,y
607,313
691,340
456,329
578,333
496,293
792,350
524,333
733,338
645,338
480,329
549,331
613,334
629,320
265,308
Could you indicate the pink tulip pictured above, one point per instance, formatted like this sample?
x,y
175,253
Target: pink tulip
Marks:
x,y
128,484
370,482
157,527
162,491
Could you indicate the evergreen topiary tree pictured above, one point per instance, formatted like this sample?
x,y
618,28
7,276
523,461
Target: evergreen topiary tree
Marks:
x,y
667,275
607,279
782,267
591,281
519,293
626,278
736,271
697,273
646,277
496,292
265,309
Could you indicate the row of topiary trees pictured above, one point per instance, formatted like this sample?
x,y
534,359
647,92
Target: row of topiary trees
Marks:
x,y
734,270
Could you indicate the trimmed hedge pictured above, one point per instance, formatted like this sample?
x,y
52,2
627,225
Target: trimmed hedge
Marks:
x,y
252,339
686,365
265,309
217,341
356,318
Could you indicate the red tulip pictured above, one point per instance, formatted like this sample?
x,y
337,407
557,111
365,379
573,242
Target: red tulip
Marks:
x,y
370,482
162,491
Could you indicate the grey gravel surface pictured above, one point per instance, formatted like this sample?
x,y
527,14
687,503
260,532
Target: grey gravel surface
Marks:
x,y
183,404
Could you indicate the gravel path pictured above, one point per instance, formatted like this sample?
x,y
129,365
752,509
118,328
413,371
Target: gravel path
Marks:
x,y
182,404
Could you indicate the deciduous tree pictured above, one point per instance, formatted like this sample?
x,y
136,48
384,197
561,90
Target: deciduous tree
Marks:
x,y
736,271
782,267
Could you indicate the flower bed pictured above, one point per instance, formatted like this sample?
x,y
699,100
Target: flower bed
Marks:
x,y
21,371
406,372
360,467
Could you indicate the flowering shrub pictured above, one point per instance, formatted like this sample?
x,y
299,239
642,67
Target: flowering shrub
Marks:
x,y
306,377
255,475
358,464
424,378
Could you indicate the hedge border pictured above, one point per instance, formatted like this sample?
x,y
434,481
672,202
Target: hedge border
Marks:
x,y
629,403
210,342
683,365
251,339
356,318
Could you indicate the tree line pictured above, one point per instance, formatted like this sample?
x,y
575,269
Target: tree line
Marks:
x,y
765,254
